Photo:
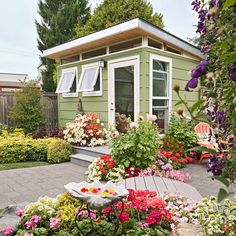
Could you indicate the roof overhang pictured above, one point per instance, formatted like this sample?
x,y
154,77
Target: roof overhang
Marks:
x,y
136,27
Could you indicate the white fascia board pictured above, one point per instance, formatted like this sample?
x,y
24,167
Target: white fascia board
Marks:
x,y
117,29
169,38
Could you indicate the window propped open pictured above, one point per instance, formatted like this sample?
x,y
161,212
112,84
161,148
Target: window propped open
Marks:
x,y
66,81
88,79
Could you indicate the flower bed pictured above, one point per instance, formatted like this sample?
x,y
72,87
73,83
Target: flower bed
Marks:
x,y
86,130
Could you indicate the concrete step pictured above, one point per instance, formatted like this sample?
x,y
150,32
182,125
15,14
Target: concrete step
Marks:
x,y
92,151
82,159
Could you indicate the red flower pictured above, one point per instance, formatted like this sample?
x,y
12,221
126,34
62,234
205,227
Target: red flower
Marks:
x,y
98,220
177,155
105,158
124,216
84,190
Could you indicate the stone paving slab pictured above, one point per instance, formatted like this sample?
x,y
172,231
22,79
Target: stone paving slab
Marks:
x,y
28,184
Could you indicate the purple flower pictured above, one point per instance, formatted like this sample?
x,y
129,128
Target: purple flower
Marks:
x,y
233,72
196,5
192,83
215,166
199,69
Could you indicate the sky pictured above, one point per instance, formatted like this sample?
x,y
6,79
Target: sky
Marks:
x,y
18,35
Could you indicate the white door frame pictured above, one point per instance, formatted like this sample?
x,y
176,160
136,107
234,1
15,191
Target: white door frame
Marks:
x,y
122,62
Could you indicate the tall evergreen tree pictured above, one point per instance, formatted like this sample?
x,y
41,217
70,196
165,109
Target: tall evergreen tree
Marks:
x,y
112,12
58,21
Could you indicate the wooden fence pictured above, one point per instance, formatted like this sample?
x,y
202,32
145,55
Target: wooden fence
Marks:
x,y
48,101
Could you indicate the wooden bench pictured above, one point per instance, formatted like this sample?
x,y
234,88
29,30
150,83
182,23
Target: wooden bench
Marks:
x,y
161,186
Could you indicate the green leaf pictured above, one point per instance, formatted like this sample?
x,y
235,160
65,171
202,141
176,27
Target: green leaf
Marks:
x,y
178,103
222,180
196,105
229,3
222,195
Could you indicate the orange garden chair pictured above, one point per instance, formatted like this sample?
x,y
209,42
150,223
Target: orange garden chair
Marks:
x,y
206,138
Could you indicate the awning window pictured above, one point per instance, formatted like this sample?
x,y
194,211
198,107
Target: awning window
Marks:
x,y
66,81
88,79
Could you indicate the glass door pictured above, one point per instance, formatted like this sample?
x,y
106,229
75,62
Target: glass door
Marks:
x,y
123,89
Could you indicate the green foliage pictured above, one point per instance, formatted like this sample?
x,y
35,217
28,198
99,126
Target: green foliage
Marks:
x,y
58,151
136,148
112,12
171,144
3,127
27,111
182,131
18,148
57,26
67,206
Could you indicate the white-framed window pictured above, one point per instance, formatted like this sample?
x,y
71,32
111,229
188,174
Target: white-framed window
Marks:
x,y
67,85
90,82
160,89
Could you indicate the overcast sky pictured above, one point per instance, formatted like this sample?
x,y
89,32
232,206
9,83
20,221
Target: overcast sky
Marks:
x,y
18,36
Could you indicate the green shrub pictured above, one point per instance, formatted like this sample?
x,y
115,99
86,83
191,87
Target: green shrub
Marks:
x,y
58,151
3,127
171,144
136,148
27,111
18,148
182,130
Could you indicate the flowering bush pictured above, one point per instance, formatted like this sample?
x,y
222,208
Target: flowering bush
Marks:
x,y
105,168
181,208
165,169
137,147
217,219
182,130
86,130
179,159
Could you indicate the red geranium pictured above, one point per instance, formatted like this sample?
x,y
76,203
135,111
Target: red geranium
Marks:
x,y
124,216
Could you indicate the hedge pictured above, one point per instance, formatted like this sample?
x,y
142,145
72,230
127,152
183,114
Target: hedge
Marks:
x,y
21,148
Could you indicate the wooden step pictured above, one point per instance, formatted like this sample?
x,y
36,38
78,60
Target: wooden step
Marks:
x,y
92,151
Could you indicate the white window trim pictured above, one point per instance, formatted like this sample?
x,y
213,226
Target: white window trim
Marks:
x,y
169,79
65,95
93,93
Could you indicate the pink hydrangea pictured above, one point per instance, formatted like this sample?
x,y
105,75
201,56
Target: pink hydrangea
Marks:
x,y
54,223
8,230
20,212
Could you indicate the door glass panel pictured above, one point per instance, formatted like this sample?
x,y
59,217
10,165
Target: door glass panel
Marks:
x,y
124,91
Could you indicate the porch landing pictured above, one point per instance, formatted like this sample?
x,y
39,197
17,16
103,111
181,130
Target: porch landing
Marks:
x,y
162,185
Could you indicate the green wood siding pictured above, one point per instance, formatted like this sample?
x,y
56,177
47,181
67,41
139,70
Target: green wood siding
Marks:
x,y
68,107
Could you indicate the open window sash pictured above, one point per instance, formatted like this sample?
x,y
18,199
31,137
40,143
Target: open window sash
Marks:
x,y
88,79
66,80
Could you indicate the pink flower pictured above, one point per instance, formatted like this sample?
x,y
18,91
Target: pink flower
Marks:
x,y
36,218
6,231
54,223
28,234
20,212
30,224
143,225
85,213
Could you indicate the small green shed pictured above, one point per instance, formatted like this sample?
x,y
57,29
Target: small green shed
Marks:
x,y
129,68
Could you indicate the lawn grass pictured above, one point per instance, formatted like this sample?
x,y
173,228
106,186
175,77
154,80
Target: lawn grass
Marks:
x,y
9,166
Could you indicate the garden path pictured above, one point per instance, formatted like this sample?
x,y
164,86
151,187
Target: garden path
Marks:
x,y
26,185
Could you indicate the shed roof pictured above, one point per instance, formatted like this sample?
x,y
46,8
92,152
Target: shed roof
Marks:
x,y
132,28
12,80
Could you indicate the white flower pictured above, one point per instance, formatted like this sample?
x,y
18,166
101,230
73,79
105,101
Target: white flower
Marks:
x,y
134,125
151,118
